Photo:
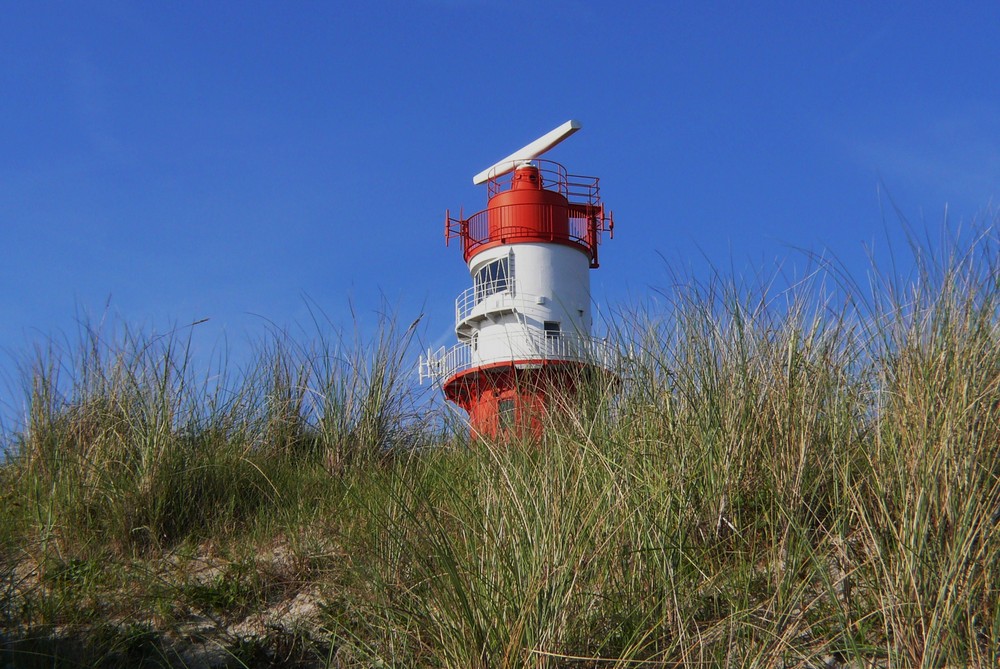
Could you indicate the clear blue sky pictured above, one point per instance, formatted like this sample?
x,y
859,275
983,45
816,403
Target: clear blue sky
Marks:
x,y
232,160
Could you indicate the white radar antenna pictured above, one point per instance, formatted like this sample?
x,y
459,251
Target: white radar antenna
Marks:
x,y
528,152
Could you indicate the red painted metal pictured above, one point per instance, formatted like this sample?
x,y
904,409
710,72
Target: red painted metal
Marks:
x,y
536,203
530,385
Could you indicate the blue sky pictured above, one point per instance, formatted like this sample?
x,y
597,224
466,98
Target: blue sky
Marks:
x,y
239,161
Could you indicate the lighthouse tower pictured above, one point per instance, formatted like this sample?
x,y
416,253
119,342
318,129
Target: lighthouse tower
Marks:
x,y
524,325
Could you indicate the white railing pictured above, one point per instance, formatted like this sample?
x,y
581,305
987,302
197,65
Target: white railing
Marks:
x,y
439,365
472,297
536,345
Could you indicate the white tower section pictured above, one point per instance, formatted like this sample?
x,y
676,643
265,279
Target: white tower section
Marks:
x,y
528,301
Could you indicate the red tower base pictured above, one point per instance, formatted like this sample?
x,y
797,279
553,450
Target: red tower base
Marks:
x,y
513,398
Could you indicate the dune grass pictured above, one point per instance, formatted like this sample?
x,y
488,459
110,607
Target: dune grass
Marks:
x,y
802,479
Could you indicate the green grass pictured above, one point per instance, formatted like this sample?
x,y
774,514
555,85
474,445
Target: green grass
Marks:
x,y
801,479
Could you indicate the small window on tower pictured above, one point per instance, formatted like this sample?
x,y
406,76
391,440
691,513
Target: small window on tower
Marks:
x,y
505,414
552,329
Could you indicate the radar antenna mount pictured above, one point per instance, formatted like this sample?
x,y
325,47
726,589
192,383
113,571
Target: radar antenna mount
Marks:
x,y
527,152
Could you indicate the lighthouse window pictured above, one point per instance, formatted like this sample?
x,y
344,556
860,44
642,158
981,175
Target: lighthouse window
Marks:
x,y
505,414
552,329
493,278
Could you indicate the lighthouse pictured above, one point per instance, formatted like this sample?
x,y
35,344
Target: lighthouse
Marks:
x,y
524,325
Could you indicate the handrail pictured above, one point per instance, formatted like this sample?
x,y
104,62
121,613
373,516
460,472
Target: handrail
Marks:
x,y
585,225
586,214
444,363
576,188
472,297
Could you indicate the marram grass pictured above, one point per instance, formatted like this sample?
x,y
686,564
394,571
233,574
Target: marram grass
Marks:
x,y
796,480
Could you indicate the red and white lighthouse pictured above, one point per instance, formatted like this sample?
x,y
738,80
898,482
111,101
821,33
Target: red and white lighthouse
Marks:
x,y
524,326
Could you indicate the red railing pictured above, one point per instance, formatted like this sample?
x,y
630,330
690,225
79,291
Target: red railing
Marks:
x,y
587,218
575,188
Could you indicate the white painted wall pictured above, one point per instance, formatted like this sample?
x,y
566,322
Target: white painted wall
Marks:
x,y
551,283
